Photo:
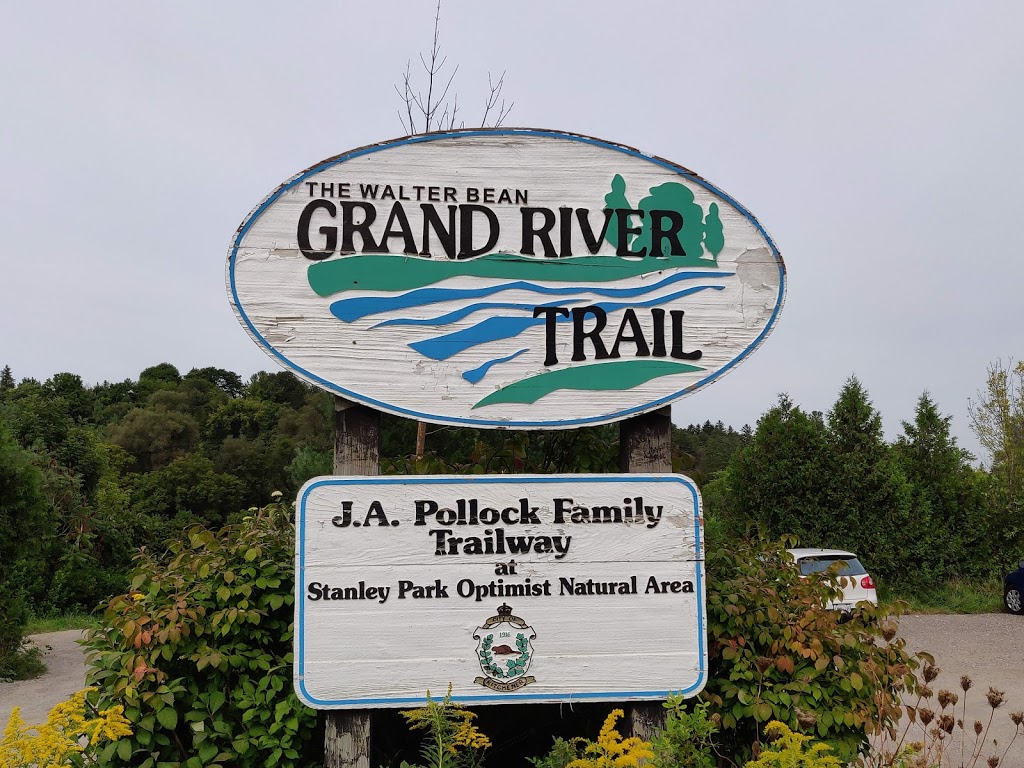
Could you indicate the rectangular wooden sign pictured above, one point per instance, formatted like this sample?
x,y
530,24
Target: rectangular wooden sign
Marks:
x,y
511,588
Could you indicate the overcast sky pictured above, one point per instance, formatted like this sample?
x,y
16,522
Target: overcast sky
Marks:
x,y
879,143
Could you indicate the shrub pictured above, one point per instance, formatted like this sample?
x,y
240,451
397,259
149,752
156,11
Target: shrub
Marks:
x,y
686,739
775,653
199,653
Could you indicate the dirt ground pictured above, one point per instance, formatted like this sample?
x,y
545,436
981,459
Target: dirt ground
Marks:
x,y
65,674
987,647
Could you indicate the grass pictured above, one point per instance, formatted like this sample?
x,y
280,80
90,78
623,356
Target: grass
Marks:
x,y
24,663
40,624
957,596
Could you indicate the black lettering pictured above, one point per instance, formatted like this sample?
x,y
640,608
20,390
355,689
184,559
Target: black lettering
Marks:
x,y
636,335
398,215
677,338
425,509
564,232
345,518
362,228
445,236
466,249
551,315
583,217
658,316
331,233
376,512
625,231
579,335
544,232
671,234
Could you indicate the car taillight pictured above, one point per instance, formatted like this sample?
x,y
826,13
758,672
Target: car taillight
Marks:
x,y
867,583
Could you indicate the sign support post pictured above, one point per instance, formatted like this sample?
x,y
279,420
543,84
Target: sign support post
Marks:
x,y
645,445
356,452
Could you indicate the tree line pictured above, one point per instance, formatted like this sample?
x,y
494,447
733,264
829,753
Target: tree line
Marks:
x,y
91,474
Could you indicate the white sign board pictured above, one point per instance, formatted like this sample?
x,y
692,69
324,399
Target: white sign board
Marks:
x,y
505,278
511,588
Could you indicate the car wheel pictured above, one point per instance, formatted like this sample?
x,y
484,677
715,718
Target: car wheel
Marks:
x,y
1013,601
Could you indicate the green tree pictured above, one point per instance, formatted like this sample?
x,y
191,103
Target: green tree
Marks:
x,y
281,387
872,514
228,382
6,380
23,523
157,377
79,401
155,437
188,489
997,419
950,515
242,417
782,481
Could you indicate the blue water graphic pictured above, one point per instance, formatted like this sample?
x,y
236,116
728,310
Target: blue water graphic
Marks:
x,y
495,328
478,373
349,310
458,314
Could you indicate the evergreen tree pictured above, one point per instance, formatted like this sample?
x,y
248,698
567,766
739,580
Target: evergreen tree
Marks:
x,y
949,505
783,480
6,380
872,515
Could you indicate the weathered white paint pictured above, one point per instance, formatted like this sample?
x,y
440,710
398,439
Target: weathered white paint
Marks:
x,y
366,653
737,302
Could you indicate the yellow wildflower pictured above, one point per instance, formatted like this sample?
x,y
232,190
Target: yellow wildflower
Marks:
x,y
54,743
611,750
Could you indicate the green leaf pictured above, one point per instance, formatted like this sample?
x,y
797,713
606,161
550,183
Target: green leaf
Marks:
x,y
124,749
207,751
168,718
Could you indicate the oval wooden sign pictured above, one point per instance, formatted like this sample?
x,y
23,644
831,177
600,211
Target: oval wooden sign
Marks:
x,y
505,278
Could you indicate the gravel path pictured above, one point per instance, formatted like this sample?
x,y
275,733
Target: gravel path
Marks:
x,y
988,647
65,674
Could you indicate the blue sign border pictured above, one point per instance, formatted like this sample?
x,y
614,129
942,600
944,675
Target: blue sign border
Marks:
x,y
510,698
483,422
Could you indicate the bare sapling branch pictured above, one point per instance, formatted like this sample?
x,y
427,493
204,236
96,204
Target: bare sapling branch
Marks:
x,y
492,101
434,111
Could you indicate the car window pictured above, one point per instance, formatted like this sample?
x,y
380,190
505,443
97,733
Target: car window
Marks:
x,y
848,566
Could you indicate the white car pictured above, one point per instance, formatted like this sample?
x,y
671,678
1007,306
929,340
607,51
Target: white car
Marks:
x,y
857,584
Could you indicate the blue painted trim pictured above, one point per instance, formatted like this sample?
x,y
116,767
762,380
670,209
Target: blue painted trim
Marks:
x,y
475,422
300,603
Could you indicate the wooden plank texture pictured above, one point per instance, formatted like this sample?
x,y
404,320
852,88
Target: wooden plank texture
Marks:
x,y
400,580
524,310
356,452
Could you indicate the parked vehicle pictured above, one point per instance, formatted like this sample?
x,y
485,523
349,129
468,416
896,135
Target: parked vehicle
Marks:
x,y
1013,589
857,585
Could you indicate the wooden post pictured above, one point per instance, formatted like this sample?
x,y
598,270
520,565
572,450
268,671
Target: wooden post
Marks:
x,y
356,452
645,445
